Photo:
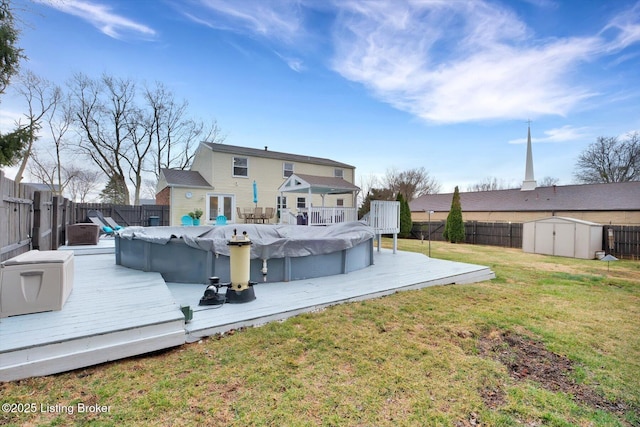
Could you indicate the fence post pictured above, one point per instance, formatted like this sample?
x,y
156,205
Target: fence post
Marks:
x,y
37,221
55,205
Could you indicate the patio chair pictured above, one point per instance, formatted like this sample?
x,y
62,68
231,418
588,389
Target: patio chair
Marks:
x,y
221,220
268,214
112,223
104,228
248,215
187,221
257,214
240,214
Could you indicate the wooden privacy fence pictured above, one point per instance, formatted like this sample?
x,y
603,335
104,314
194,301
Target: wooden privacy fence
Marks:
x,y
503,234
50,218
31,219
625,243
16,218
125,215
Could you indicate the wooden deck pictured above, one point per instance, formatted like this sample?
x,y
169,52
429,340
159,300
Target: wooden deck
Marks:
x,y
116,312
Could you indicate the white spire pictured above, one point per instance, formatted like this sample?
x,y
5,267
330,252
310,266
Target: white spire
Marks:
x,y
529,182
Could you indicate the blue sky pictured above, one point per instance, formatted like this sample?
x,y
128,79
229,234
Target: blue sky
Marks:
x,y
445,85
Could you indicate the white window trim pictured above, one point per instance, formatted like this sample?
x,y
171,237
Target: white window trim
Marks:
x,y
285,170
233,167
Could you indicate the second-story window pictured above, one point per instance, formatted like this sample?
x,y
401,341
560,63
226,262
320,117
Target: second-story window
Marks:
x,y
241,166
338,173
287,170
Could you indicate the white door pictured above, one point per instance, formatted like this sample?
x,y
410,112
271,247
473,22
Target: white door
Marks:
x,y
220,204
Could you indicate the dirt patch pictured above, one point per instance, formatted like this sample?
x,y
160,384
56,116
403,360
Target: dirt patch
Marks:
x,y
528,359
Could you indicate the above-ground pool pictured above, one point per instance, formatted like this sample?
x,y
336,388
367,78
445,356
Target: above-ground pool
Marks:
x,y
292,252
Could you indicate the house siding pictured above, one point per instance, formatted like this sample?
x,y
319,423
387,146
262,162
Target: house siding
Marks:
x,y
217,168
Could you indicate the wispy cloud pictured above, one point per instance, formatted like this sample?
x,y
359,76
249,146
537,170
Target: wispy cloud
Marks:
x,y
102,17
271,19
459,61
296,64
443,61
563,134
623,30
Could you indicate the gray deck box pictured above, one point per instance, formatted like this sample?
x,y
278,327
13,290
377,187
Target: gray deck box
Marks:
x,y
35,281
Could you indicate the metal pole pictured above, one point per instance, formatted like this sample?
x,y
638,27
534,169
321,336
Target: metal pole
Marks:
x,y
429,234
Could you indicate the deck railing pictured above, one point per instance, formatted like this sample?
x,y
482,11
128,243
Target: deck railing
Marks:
x,y
319,216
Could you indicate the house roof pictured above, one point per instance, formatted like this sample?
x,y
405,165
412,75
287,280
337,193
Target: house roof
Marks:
x,y
256,152
184,178
302,183
586,197
39,186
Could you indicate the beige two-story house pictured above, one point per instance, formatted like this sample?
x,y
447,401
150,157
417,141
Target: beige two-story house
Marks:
x,y
221,183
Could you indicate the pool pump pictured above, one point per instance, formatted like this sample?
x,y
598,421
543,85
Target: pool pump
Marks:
x,y
240,289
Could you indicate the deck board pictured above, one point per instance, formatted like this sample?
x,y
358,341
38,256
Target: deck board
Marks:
x,y
115,312
112,312
274,301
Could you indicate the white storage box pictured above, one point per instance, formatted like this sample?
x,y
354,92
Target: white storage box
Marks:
x,y
35,281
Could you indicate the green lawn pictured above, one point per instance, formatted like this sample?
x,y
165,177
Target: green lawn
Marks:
x,y
550,341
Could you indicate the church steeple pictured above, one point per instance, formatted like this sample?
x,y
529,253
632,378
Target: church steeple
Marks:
x,y
529,182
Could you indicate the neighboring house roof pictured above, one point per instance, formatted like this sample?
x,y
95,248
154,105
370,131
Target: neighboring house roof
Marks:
x,y
586,197
302,183
256,152
184,178
39,186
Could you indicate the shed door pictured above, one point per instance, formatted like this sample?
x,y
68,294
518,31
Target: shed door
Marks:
x,y
544,238
565,240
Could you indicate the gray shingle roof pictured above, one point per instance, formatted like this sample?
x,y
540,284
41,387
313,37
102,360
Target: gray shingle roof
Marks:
x,y
256,152
183,178
327,184
586,197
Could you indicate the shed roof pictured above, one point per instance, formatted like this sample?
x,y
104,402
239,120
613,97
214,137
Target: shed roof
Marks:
x,y
256,152
184,178
562,219
585,197
302,183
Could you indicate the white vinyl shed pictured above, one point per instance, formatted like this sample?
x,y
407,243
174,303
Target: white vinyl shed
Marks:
x,y
562,236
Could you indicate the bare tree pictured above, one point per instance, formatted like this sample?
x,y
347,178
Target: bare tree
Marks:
x,y
610,160
548,181
47,164
41,97
367,183
128,133
102,111
175,135
83,183
48,171
490,183
411,183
